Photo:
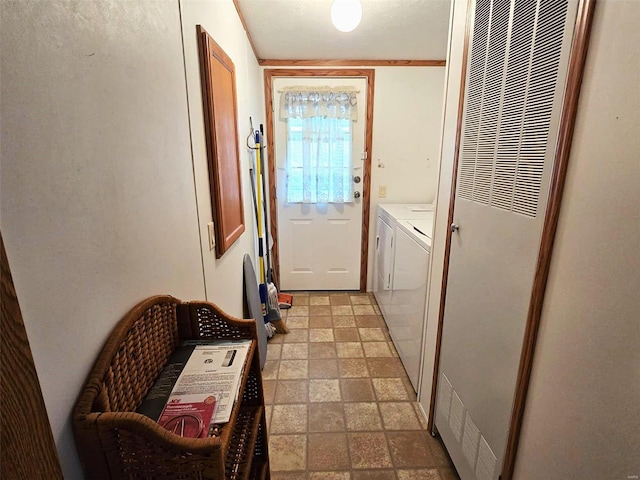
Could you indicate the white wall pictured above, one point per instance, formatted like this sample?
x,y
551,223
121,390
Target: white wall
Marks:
x,y
582,418
407,126
220,19
99,203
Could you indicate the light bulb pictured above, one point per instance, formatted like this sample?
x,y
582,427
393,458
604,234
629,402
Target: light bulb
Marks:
x,y
346,14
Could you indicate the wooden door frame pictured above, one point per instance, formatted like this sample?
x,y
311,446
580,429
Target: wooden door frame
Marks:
x,y
369,75
28,447
577,59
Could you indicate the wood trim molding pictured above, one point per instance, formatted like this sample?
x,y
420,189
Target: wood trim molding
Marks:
x,y
579,48
447,248
28,447
351,63
246,29
369,74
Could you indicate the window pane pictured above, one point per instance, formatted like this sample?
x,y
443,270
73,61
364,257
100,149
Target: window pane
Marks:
x,y
319,160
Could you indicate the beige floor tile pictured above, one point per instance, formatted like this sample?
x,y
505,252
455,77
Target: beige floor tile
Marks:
x,y
288,452
326,417
389,389
341,310
289,419
273,351
293,369
324,391
292,391
298,310
448,473
376,349
269,389
322,321
440,456
369,450
349,350
288,475
270,370
409,449
369,321
371,334
346,335
319,310
339,299
328,450
295,351
409,388
344,321
357,390
323,368
330,476
277,338
297,322
322,350
299,335
300,298
399,416
362,416
385,367
352,367
349,398
321,335
268,409
418,474
363,310
360,299
374,475
421,416
319,300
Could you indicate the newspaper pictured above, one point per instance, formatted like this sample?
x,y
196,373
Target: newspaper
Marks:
x,y
213,370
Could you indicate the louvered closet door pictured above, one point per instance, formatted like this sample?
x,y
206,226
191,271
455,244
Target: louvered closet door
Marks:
x,y
516,72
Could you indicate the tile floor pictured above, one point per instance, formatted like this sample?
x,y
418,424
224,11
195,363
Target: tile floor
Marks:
x,y
339,403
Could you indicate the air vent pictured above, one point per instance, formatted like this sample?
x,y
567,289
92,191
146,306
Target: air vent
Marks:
x,y
511,86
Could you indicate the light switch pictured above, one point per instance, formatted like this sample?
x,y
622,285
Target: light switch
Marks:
x,y
212,236
382,191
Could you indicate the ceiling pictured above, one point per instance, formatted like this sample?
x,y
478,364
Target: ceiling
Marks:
x,y
389,30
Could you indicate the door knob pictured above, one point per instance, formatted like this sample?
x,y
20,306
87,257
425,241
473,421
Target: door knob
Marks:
x,y
454,228
356,179
356,194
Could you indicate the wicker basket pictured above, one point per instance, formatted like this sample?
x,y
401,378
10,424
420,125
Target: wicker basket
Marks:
x,y
116,442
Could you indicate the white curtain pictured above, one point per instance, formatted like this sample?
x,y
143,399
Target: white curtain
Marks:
x,y
319,143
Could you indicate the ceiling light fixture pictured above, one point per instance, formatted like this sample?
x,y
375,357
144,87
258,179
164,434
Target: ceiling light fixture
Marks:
x,y
346,14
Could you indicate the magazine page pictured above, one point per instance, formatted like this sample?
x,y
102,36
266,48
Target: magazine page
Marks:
x,y
207,388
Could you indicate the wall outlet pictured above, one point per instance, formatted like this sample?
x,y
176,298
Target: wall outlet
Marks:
x,y
382,191
212,236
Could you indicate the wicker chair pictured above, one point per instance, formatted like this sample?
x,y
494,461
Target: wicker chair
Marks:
x,y
116,442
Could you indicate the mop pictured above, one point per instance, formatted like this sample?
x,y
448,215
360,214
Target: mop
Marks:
x,y
271,314
273,308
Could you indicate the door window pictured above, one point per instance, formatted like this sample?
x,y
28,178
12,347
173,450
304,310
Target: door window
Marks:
x,y
319,160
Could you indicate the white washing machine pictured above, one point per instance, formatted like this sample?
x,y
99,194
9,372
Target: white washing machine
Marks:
x,y
403,249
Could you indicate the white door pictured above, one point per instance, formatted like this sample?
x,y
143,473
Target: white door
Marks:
x,y
319,244
514,89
